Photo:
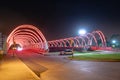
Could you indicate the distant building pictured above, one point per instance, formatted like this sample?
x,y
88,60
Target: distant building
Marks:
x,y
2,40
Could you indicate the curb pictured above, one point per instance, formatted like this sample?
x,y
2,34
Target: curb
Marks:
x,y
36,77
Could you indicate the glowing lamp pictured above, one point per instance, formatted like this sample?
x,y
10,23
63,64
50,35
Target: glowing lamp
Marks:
x,y
19,49
82,32
113,41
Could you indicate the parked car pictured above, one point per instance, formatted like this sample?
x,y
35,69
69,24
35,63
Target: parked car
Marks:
x,y
67,52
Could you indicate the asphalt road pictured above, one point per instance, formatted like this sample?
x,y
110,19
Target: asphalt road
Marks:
x,y
54,67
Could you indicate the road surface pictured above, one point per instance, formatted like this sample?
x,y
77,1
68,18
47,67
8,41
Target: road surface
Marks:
x,y
54,67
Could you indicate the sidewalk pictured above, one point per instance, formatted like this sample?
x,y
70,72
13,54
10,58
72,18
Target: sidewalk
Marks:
x,y
12,68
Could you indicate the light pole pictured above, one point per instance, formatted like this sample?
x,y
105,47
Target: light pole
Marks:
x,y
82,32
113,43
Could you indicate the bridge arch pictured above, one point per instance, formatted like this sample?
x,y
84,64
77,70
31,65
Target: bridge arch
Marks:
x,y
101,36
84,41
28,37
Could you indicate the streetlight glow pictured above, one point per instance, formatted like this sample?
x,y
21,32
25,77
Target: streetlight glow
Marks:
x,y
82,32
19,49
113,41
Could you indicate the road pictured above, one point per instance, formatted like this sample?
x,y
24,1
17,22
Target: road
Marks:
x,y
54,67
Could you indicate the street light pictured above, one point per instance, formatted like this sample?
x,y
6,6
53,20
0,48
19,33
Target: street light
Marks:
x,y
19,49
82,32
113,41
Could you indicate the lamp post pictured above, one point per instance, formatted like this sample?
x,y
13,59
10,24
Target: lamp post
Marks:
x,y
82,32
113,43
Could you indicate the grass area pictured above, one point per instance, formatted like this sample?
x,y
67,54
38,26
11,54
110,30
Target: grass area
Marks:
x,y
96,56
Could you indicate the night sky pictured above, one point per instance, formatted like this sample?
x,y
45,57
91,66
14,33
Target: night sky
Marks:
x,y
61,19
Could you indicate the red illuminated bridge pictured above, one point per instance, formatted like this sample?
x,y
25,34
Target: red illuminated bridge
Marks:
x,y
30,38
95,40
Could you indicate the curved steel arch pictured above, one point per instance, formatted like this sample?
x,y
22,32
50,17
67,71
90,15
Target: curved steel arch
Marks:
x,y
63,42
59,44
84,40
67,42
30,31
29,34
90,35
101,37
77,43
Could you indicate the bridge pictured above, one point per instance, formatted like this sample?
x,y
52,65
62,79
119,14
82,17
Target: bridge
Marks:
x,y
30,38
95,40
27,38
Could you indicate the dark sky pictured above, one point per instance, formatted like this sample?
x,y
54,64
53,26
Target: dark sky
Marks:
x,y
60,19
